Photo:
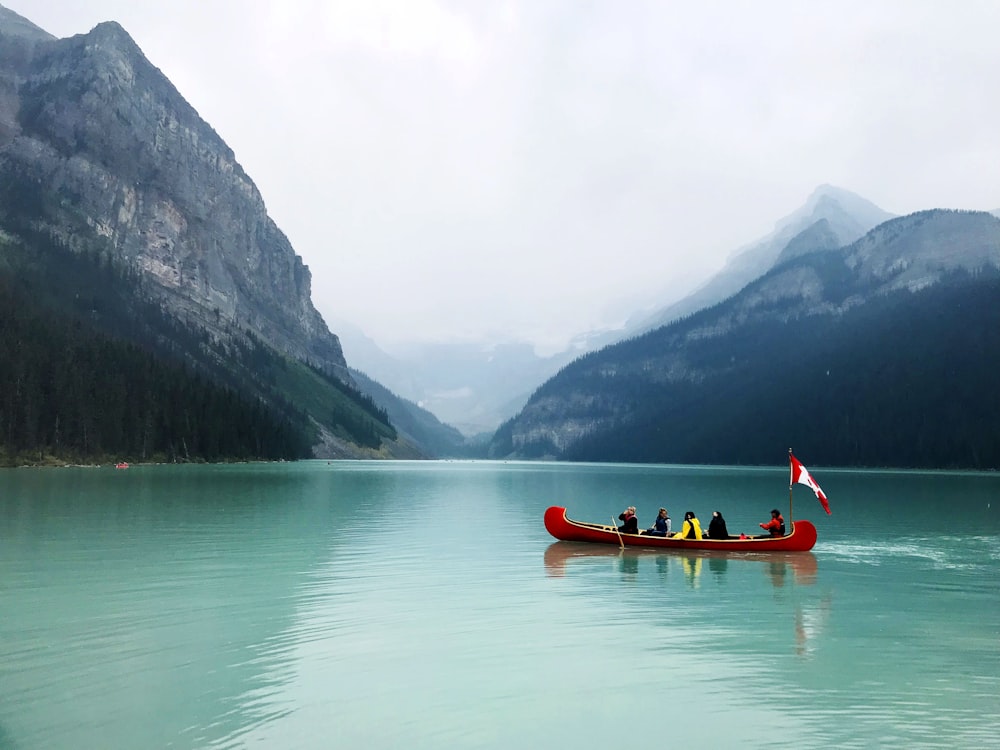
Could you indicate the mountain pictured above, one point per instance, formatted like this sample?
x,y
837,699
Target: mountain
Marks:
x,y
879,353
19,32
133,164
104,163
416,424
831,217
476,386
473,386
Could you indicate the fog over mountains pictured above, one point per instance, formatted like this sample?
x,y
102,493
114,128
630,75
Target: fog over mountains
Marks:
x,y
831,217
475,386
877,353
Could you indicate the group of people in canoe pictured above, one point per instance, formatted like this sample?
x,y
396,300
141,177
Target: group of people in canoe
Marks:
x,y
691,528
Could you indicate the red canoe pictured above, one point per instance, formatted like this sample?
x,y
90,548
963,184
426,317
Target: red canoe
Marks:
x,y
801,539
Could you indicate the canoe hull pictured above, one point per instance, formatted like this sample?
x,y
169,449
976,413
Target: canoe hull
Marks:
x,y
801,539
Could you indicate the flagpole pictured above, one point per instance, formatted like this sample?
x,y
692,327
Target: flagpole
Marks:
x,y
790,483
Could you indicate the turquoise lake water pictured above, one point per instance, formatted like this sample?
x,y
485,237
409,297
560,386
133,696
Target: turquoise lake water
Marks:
x,y
423,605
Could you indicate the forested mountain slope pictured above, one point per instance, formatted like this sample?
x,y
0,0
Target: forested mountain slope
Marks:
x,y
132,220
416,424
879,353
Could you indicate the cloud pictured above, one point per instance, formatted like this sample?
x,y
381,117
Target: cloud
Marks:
x,y
536,169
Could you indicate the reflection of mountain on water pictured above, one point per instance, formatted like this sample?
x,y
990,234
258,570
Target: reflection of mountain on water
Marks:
x,y
170,590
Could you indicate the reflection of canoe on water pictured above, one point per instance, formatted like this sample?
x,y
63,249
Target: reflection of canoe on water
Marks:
x,y
558,554
801,539
801,566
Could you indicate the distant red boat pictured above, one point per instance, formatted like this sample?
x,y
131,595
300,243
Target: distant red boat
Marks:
x,y
802,537
121,465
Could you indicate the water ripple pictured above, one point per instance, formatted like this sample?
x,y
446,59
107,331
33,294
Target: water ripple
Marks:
x,y
424,606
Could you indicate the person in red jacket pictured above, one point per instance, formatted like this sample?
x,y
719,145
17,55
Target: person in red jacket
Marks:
x,y
776,526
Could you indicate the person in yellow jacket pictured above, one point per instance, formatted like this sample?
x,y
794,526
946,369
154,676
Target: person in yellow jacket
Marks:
x,y
691,528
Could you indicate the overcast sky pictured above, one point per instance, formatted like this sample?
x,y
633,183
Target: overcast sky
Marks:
x,y
538,168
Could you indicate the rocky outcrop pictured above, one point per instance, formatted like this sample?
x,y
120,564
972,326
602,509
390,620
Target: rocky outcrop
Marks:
x,y
140,176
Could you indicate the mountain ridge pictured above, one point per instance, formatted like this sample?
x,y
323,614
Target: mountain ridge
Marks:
x,y
13,24
158,185
102,157
848,216
731,346
476,386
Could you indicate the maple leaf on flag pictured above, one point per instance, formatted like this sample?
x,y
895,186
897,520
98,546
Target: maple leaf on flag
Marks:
x,y
801,475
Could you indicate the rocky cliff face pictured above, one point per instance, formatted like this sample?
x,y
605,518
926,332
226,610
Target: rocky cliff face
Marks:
x,y
141,176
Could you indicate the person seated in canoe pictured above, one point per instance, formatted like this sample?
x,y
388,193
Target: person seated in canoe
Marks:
x,y
776,526
717,526
630,523
691,528
661,526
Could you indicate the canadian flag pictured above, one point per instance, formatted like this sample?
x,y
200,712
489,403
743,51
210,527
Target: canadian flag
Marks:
x,y
801,475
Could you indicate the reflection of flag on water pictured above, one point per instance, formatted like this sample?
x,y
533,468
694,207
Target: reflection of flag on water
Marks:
x,y
801,475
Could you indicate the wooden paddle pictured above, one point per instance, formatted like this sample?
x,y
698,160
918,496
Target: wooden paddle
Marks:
x,y
615,527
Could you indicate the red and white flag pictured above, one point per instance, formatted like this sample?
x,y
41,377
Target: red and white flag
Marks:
x,y
801,475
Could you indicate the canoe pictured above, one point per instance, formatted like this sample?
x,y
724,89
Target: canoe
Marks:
x,y
802,537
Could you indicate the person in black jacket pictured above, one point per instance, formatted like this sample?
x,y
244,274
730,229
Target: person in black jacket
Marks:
x,y
717,526
630,523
